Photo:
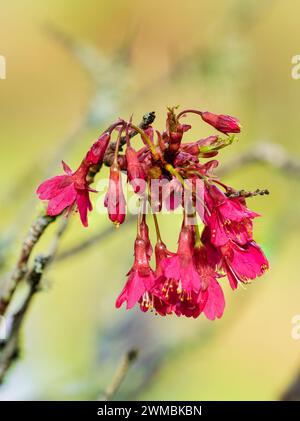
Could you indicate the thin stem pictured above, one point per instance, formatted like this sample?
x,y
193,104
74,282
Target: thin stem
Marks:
x,y
144,124
157,230
189,111
176,174
146,139
113,126
221,184
139,218
127,136
120,375
198,241
184,221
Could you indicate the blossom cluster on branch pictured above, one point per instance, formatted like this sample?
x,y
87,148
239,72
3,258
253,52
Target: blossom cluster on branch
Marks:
x,y
167,173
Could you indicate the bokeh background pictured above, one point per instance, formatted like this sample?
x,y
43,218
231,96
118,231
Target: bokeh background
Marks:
x,y
72,68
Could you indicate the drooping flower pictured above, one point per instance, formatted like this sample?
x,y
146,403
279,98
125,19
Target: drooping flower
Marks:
x,y
215,304
213,254
64,191
194,148
207,298
178,282
161,254
141,278
210,287
114,199
135,172
243,263
192,306
179,269
96,153
154,300
229,219
144,233
224,123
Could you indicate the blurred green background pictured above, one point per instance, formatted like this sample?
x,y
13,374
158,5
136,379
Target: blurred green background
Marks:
x,y
72,68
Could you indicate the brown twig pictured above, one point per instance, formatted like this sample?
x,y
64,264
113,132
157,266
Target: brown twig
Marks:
x,y
247,194
9,350
128,359
145,123
292,393
37,229
9,286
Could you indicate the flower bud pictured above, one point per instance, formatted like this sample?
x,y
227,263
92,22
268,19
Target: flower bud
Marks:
x,y
223,123
114,199
96,153
135,171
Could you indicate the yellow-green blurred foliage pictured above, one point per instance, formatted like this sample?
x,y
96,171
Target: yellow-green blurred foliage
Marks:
x,y
227,56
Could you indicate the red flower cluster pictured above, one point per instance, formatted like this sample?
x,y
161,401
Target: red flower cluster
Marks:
x,y
168,174
63,191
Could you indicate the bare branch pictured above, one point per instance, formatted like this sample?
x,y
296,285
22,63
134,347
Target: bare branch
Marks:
x,y
37,229
247,194
120,375
9,350
144,124
292,393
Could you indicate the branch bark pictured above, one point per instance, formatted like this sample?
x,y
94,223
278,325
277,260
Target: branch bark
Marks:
x,y
122,371
9,350
292,393
9,286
